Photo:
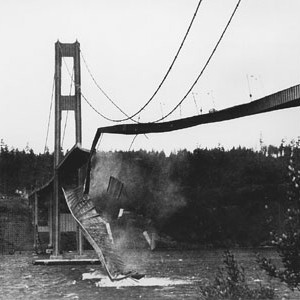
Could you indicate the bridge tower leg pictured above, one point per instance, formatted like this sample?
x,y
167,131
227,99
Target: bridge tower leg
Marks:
x,y
65,103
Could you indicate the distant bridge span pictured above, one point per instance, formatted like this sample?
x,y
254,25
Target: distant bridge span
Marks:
x,y
284,99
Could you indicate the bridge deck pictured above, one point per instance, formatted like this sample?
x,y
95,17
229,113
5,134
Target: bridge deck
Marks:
x,y
284,99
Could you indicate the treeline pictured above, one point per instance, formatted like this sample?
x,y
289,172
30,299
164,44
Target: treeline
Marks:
x,y
23,170
210,197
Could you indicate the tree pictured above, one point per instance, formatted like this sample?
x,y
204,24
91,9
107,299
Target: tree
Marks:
x,y
287,242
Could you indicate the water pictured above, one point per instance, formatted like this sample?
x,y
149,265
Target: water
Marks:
x,y
169,275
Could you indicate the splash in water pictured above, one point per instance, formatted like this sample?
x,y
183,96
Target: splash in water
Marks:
x,y
129,282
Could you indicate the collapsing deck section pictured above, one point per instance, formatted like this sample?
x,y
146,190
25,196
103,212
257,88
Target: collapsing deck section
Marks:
x,y
97,231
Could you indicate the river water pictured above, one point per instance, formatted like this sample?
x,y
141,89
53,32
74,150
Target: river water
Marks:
x,y
169,275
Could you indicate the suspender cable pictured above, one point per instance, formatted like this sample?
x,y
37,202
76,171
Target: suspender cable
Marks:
x,y
204,67
49,118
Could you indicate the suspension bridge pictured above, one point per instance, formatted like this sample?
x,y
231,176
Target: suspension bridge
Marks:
x,y
78,199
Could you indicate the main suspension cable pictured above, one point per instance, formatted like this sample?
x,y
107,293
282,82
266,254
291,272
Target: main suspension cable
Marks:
x,y
159,86
204,67
78,88
103,92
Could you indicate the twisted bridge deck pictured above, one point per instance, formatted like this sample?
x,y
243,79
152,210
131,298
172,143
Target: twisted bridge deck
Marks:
x,y
284,99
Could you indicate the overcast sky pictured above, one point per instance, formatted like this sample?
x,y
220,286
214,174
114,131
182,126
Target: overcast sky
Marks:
x,y
129,45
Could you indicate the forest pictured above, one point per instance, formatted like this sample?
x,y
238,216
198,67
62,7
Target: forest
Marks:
x,y
210,197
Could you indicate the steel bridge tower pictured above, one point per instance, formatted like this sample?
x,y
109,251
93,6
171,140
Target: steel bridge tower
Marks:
x,y
64,103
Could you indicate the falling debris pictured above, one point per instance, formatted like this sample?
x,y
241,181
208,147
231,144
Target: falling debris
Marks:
x,y
121,211
150,240
147,237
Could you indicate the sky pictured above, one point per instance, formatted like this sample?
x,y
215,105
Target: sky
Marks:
x,y
128,46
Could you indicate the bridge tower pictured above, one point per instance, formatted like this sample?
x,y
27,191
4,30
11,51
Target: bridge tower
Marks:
x,y
64,103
